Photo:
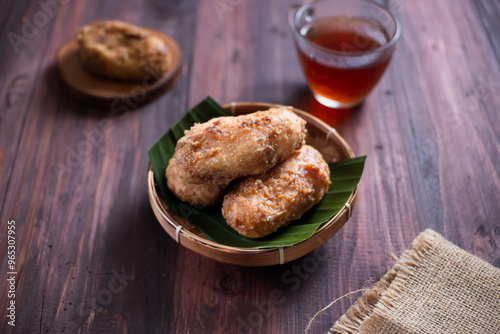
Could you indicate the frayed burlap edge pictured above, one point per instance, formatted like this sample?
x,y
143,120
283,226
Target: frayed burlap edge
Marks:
x,y
395,278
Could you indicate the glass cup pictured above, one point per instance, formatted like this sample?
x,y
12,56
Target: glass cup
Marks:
x,y
344,47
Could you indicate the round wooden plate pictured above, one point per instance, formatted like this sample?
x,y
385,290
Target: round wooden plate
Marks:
x,y
102,92
319,135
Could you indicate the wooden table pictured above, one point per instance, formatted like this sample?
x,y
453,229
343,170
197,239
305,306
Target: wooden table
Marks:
x,y
92,258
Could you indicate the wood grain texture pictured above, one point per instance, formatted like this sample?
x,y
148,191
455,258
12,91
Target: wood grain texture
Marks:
x,y
91,257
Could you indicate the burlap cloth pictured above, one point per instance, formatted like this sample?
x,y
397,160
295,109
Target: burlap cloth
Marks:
x,y
436,287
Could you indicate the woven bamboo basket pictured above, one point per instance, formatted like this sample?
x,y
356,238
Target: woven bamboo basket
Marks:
x,y
319,135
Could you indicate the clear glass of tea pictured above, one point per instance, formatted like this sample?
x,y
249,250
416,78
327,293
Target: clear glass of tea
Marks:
x,y
344,47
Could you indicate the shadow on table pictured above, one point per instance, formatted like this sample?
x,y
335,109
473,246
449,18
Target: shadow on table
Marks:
x,y
299,96
81,106
169,278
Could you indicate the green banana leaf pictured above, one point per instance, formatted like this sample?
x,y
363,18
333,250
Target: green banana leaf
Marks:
x,y
344,175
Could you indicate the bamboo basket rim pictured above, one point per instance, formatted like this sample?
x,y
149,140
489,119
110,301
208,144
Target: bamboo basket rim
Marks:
x,y
186,235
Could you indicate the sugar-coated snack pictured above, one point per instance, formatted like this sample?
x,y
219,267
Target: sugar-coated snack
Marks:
x,y
259,205
194,194
119,50
226,148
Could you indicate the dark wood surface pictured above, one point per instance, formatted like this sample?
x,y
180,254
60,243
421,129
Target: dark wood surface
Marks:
x,y
90,255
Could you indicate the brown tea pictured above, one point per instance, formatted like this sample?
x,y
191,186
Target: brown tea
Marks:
x,y
349,76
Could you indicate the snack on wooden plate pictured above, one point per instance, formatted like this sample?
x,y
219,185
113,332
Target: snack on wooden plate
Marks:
x,y
259,205
226,148
194,194
119,50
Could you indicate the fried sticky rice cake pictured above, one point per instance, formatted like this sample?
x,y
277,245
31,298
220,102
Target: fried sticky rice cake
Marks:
x,y
259,205
119,50
226,148
194,194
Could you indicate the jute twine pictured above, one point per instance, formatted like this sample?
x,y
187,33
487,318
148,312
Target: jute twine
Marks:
x,y
329,305
336,300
